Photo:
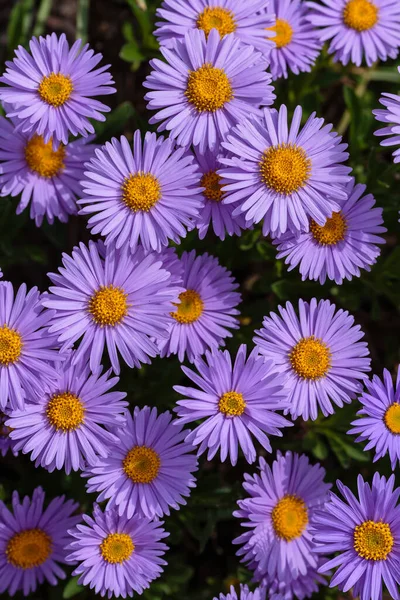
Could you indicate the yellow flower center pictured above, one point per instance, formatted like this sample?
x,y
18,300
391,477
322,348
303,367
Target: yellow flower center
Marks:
x,y
392,418
211,182
208,88
65,411
141,191
116,548
284,33
289,517
216,18
360,15
42,159
29,548
10,345
285,168
310,358
190,308
232,404
108,306
141,464
332,232
55,89
373,541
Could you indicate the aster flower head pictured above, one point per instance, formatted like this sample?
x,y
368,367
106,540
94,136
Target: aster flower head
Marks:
x,y
52,88
6,443
206,86
149,468
284,175
304,586
32,541
279,514
117,556
390,116
340,248
364,533
237,399
379,418
244,594
320,353
358,29
120,302
206,310
149,195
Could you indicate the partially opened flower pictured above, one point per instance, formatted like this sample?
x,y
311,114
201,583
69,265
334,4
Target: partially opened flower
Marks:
x,y
33,540
51,90
206,86
390,115
244,594
6,443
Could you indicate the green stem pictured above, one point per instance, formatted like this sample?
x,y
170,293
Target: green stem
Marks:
x,y
82,20
42,16
359,92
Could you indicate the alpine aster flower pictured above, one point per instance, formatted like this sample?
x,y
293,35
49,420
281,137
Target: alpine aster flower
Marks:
x,y
364,533
6,443
358,29
32,541
236,400
320,353
390,114
206,309
149,196
117,556
340,248
245,594
52,89
206,86
284,176
149,468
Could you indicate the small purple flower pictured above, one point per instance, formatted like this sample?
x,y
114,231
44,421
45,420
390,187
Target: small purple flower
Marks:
x,y
320,353
149,195
245,594
117,556
364,534
302,587
32,541
149,467
51,90
6,443
358,29
206,311
236,400
206,86
284,176
340,248
380,417
390,115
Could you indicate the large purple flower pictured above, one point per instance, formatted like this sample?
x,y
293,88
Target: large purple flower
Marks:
x,y
390,115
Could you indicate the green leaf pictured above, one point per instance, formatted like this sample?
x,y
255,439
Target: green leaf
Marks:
x,y
131,53
72,588
115,123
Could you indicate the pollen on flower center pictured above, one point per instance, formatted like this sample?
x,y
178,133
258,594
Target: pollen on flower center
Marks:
x,y
392,418
190,307
284,33
208,88
216,17
310,358
232,404
141,464
332,232
29,548
360,15
373,541
108,306
42,159
211,182
55,89
10,345
285,168
116,548
141,191
65,411
289,517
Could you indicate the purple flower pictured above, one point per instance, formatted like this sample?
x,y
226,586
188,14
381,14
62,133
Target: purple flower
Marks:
x,y
6,443
358,29
247,21
120,302
206,86
364,533
117,555
32,541
296,43
302,587
320,353
245,594
27,350
149,468
380,417
47,178
390,114
340,248
284,176
51,90
278,515
236,400
149,196
206,311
